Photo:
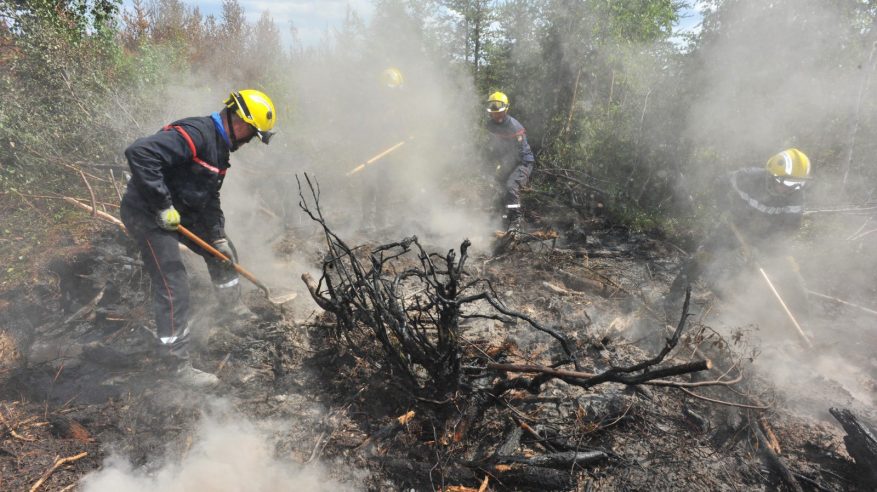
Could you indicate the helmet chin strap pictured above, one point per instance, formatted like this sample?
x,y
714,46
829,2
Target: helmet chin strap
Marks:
x,y
231,135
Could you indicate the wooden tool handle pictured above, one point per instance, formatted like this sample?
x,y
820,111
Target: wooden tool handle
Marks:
x,y
204,244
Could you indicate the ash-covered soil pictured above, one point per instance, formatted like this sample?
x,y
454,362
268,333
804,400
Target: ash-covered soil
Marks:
x,y
74,355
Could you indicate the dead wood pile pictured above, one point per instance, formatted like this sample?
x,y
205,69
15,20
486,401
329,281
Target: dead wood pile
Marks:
x,y
399,309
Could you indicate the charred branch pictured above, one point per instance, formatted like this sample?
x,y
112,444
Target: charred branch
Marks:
x,y
584,379
562,460
861,443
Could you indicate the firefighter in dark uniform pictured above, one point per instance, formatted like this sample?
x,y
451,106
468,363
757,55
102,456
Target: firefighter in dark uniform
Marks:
x,y
510,153
176,175
380,181
762,207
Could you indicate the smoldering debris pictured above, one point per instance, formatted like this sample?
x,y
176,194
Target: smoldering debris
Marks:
x,y
529,420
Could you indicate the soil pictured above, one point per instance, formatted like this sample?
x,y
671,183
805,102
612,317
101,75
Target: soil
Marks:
x,y
74,354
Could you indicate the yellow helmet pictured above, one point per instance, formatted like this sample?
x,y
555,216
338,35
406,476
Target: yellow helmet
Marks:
x,y
497,102
790,167
392,78
255,108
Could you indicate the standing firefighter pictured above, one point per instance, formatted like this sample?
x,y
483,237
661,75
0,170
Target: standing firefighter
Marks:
x,y
763,206
176,177
511,154
386,126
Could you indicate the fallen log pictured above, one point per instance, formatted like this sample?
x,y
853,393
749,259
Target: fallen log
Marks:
x,y
561,460
861,444
426,476
778,464
521,475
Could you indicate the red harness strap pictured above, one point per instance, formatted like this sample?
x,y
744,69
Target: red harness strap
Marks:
x,y
195,157
511,136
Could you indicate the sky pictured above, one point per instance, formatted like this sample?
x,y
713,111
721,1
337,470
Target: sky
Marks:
x,y
310,17
313,17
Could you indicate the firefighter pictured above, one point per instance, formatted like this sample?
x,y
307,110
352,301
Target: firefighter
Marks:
x,y
176,175
380,182
392,78
510,153
762,206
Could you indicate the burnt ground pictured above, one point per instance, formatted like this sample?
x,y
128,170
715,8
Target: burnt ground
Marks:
x,y
75,376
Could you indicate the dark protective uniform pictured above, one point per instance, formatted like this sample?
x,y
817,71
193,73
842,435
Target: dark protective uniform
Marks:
x,y
510,153
386,125
182,165
763,219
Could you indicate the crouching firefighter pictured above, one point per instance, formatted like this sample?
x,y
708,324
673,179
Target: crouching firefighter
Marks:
x,y
176,175
763,208
511,154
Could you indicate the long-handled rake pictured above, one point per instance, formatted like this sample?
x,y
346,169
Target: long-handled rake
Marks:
x,y
278,299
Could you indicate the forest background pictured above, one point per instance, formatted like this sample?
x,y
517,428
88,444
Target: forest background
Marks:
x,y
613,99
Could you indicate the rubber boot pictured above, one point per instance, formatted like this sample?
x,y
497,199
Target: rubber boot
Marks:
x,y
173,355
232,313
512,218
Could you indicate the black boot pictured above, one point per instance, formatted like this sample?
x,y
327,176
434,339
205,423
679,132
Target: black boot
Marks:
x,y
231,312
512,218
173,359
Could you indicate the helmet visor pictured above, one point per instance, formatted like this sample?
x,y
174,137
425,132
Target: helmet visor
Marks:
x,y
265,137
496,106
790,183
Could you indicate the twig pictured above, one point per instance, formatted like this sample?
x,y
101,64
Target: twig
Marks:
x,y
862,235
59,462
841,301
841,210
115,185
12,431
88,306
97,213
680,384
575,181
722,402
49,197
223,363
645,378
90,193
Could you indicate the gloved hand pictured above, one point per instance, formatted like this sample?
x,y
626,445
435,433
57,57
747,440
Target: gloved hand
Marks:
x,y
224,247
168,219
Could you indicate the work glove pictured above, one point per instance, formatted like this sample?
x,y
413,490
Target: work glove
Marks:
x,y
224,247
168,219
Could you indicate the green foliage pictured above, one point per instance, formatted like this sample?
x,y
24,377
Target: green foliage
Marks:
x,y
78,82
605,91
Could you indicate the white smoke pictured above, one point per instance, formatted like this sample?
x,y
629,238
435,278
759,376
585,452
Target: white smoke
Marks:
x,y
228,453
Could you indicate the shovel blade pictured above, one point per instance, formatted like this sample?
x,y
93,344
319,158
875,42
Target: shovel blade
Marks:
x,y
281,297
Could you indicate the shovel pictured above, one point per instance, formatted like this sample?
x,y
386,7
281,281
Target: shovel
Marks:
x,y
377,157
748,251
278,299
